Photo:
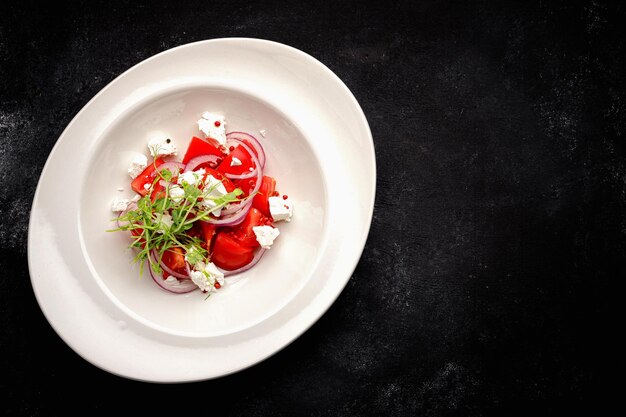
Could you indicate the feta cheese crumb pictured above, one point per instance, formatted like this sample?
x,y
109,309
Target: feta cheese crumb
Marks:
x,y
147,186
120,189
280,209
136,198
262,132
265,235
160,146
177,193
213,126
119,204
164,222
137,165
191,177
235,162
213,189
171,280
205,276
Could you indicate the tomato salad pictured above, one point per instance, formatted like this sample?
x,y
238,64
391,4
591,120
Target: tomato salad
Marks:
x,y
206,217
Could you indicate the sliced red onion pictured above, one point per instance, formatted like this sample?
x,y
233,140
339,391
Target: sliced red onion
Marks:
x,y
166,268
257,256
241,136
250,174
180,287
235,207
212,160
233,220
173,167
238,217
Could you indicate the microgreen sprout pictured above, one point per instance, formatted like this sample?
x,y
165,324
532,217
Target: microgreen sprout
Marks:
x,y
160,222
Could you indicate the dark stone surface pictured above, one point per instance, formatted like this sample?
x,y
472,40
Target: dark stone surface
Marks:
x,y
486,284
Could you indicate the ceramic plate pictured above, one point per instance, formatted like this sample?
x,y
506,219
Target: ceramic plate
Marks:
x,y
319,148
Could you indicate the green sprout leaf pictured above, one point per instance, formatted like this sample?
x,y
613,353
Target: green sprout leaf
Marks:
x,y
160,225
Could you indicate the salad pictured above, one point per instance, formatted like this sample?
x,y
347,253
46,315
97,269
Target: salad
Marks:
x,y
211,215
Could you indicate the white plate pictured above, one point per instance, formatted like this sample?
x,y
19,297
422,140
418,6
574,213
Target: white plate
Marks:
x,y
320,150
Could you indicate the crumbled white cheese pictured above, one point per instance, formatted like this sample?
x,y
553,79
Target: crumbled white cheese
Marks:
x,y
164,222
235,162
136,198
171,280
213,126
120,189
262,132
265,235
177,193
213,189
137,165
191,177
205,276
280,209
119,204
160,146
147,186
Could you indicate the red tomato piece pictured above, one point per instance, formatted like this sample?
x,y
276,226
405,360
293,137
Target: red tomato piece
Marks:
x,y
243,156
261,199
208,232
243,232
199,147
174,258
146,177
158,191
229,254
137,233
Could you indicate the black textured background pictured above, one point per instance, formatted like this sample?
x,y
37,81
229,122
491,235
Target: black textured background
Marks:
x,y
488,281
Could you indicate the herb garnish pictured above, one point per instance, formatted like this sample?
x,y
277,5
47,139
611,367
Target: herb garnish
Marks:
x,y
161,225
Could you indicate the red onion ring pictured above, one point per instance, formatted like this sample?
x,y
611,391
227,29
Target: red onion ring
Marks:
x,y
235,207
173,167
202,159
257,256
166,268
238,217
241,176
181,287
240,136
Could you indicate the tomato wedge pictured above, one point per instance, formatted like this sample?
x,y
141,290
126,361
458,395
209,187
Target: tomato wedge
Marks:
x,y
174,259
203,231
243,156
229,254
158,191
261,199
208,232
244,234
146,177
198,147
